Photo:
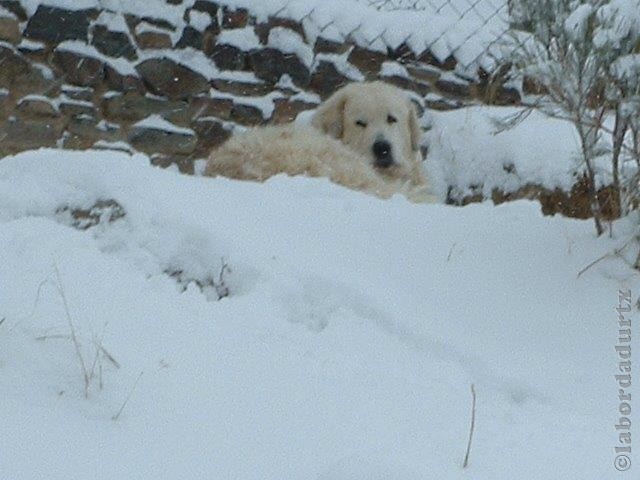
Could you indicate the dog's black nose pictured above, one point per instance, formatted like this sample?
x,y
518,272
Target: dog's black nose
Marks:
x,y
382,154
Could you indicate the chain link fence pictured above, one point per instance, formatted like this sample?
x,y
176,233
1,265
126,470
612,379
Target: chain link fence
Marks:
x,y
468,30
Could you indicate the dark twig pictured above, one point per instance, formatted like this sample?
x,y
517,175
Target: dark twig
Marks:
x,y
471,429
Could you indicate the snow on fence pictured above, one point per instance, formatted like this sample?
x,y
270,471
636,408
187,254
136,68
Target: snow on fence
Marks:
x,y
463,29
466,30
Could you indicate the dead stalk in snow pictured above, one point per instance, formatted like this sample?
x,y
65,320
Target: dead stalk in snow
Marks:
x,y
74,337
126,400
473,424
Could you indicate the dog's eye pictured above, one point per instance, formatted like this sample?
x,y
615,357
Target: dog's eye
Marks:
x,y
362,124
391,119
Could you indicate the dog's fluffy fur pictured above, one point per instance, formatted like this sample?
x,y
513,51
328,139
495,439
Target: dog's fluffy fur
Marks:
x,y
343,144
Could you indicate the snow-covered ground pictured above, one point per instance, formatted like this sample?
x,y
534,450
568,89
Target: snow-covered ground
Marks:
x,y
346,349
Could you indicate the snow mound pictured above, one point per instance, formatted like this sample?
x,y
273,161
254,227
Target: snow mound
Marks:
x,y
469,154
346,348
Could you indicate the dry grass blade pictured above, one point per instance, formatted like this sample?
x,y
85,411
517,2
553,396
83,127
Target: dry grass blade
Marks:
x,y
74,337
126,400
617,252
108,356
465,464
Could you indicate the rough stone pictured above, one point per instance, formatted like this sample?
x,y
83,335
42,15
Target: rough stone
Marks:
x,y
211,107
153,39
424,73
109,131
14,66
78,93
455,89
403,53
191,38
209,42
75,108
6,104
55,25
36,51
84,126
113,44
323,45
496,94
21,76
448,64
211,134
247,115
35,107
185,164
270,64
228,57
79,69
408,84
367,61
122,82
19,135
133,21
442,104
173,80
134,107
205,6
9,29
234,18
152,140
16,8
326,79
287,110
263,29
242,88
72,141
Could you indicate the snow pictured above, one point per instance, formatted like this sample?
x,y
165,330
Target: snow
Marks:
x,y
346,348
31,6
144,27
244,39
455,27
577,23
199,20
114,22
340,61
394,69
306,97
466,152
121,65
191,58
156,122
116,146
452,27
38,98
55,102
31,45
4,13
288,41
264,103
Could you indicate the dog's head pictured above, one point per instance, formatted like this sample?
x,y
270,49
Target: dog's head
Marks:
x,y
378,121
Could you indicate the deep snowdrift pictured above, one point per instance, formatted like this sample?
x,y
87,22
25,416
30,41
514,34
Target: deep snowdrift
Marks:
x,y
346,348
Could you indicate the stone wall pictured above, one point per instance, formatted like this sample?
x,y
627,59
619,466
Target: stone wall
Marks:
x,y
88,78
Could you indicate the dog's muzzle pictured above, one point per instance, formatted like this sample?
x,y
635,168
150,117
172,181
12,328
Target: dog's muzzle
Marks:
x,y
383,158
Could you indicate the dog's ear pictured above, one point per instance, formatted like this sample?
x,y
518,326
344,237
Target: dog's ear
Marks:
x,y
329,118
414,127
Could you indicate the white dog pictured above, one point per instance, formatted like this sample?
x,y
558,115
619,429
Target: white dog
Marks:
x,y
365,136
